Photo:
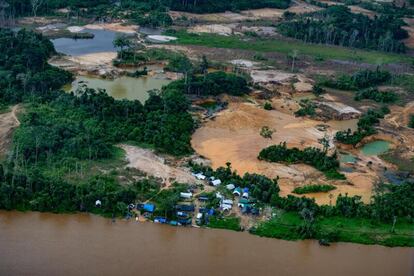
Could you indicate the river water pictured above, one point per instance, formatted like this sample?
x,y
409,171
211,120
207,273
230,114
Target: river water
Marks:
x,y
48,244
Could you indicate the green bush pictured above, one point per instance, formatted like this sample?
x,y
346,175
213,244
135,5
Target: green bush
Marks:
x,y
411,122
268,106
318,188
376,95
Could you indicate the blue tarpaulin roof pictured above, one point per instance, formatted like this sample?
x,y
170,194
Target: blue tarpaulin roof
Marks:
x,y
149,207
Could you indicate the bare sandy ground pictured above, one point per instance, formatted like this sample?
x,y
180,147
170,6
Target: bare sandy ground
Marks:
x,y
116,27
8,122
96,63
234,136
148,162
213,29
257,14
96,59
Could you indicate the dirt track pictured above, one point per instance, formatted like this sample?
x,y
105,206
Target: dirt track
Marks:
x,y
8,122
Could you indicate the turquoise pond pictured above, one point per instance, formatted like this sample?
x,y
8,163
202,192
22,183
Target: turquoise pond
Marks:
x,y
347,158
375,148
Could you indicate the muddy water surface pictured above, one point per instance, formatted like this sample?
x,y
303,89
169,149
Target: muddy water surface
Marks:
x,y
123,87
48,244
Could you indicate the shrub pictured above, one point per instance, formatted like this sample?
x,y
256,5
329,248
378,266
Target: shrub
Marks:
x,y
318,188
267,106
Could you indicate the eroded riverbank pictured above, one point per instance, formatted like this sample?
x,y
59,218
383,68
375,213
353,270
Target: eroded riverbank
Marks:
x,y
48,244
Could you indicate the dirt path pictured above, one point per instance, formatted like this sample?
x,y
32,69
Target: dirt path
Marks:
x,y
8,122
14,115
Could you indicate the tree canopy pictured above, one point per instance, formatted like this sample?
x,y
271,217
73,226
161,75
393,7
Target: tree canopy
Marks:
x,y
337,25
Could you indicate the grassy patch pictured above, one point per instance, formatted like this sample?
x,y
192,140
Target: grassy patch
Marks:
x,y
342,229
406,81
231,223
287,46
75,171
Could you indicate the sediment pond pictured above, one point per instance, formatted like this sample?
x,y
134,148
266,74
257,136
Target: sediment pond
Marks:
x,y
123,87
49,244
102,42
375,148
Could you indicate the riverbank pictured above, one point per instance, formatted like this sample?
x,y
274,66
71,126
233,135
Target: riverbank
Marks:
x,y
87,244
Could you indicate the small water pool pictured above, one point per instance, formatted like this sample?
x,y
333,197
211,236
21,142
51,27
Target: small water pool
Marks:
x,y
347,158
102,42
375,148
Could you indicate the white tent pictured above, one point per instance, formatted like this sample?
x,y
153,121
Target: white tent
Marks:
x,y
230,187
186,195
216,182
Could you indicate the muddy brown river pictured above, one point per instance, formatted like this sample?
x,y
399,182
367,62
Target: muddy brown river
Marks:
x,y
49,244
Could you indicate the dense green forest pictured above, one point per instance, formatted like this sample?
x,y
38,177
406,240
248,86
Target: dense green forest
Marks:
x,y
24,71
206,6
337,25
311,156
25,7
77,126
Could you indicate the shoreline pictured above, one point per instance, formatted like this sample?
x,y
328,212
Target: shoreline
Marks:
x,y
247,232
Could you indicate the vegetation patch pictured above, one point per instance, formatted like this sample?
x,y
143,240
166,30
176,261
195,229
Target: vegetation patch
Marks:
x,y
310,156
360,80
317,188
338,229
215,83
307,108
230,223
366,127
376,95
286,47
337,25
